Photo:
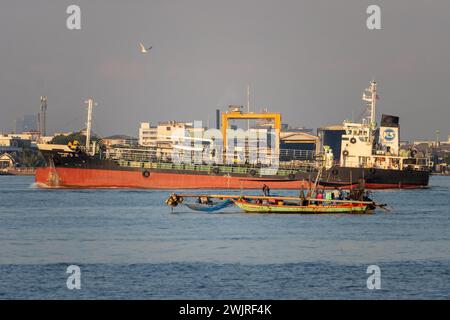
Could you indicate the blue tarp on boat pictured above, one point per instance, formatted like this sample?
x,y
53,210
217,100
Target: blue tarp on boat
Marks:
x,y
209,207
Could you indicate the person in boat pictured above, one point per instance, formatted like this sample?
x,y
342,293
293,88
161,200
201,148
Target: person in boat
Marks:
x,y
303,200
341,194
336,194
352,195
361,188
266,190
357,194
319,196
301,194
205,200
324,196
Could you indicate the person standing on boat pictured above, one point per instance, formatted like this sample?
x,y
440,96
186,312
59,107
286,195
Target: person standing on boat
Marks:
x,y
301,194
302,197
266,190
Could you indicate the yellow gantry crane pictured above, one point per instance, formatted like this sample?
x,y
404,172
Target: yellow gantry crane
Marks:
x,y
236,113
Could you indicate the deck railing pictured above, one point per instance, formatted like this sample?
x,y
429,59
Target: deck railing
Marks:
x,y
248,156
282,170
291,161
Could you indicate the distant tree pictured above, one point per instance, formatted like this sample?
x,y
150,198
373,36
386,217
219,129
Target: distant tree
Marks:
x,y
31,158
65,139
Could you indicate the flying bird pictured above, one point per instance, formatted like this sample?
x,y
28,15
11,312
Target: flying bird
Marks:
x,y
144,49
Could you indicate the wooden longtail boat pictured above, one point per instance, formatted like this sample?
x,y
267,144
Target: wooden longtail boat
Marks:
x,y
286,208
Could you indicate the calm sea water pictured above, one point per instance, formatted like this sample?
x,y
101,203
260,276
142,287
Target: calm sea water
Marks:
x,y
128,244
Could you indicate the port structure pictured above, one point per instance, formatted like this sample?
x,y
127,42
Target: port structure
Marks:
x,y
237,114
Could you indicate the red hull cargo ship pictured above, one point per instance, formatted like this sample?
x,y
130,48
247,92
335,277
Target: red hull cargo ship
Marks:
x,y
369,154
70,169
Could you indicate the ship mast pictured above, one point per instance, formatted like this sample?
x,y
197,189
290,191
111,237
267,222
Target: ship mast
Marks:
x,y
90,105
370,96
43,117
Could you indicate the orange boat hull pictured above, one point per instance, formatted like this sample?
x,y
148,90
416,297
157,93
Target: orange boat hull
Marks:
x,y
103,178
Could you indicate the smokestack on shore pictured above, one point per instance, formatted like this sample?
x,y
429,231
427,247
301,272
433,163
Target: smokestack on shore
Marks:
x,y
218,119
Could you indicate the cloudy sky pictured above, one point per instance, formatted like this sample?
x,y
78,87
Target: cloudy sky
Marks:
x,y
308,59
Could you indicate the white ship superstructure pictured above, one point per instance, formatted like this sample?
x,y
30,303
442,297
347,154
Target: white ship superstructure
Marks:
x,y
365,145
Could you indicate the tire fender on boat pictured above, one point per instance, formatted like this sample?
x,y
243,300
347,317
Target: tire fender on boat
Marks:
x,y
146,173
